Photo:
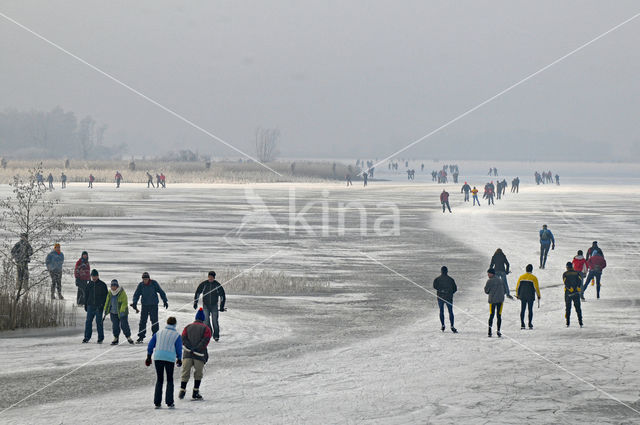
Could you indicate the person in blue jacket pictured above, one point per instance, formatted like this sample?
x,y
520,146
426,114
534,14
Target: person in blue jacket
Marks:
x,y
54,262
546,241
168,349
148,290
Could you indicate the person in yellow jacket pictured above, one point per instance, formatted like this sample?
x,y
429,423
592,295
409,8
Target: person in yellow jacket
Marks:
x,y
526,290
116,307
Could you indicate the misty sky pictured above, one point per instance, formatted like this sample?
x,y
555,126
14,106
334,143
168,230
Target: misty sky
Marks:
x,y
339,78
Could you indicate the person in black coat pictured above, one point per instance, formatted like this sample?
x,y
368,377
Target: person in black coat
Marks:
x,y
445,287
148,291
572,291
211,290
95,296
501,266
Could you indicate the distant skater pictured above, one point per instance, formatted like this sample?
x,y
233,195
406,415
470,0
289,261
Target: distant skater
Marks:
x,y
63,180
91,180
444,200
572,292
445,287
466,189
546,240
526,290
596,264
365,177
150,180
500,265
118,179
50,181
348,179
474,192
495,289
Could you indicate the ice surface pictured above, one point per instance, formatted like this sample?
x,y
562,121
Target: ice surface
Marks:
x,y
378,357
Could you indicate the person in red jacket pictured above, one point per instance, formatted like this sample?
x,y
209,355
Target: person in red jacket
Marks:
x,y
580,265
82,273
444,200
595,264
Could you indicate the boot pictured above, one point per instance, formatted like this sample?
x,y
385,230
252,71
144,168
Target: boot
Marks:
x,y
196,395
489,334
60,295
130,341
53,295
183,390
115,341
140,340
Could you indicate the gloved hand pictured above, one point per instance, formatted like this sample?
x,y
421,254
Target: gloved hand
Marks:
x,y
553,247
179,362
195,305
147,362
166,304
223,309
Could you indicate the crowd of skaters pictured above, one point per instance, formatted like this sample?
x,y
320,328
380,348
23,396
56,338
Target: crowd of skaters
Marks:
x,y
578,274
160,180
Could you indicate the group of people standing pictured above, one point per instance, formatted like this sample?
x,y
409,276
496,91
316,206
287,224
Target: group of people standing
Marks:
x,y
161,180
546,177
527,288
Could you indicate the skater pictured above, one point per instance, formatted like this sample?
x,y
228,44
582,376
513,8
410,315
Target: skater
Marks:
x,y
489,193
474,192
526,290
40,179
211,290
168,349
466,189
21,253
557,179
495,289
195,338
63,179
150,180
50,181
580,265
348,179
546,241
54,262
444,200
118,179
445,287
572,292
95,296
365,177
163,180
514,185
594,249
158,181
82,273
118,310
91,180
596,264
148,289
500,265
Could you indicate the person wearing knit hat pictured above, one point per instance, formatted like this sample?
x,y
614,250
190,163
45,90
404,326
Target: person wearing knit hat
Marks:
x,y
54,262
195,338
81,273
118,310
496,291
95,295
211,290
148,291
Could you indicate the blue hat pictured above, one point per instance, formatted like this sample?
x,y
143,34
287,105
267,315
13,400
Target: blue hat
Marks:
x,y
200,315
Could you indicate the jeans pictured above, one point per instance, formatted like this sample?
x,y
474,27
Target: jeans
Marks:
x,y
496,309
212,311
161,367
544,251
524,304
441,304
150,311
445,203
503,276
93,312
592,273
475,199
568,299
466,196
120,321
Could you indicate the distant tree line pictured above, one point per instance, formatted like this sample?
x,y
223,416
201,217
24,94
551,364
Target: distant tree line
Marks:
x,y
54,134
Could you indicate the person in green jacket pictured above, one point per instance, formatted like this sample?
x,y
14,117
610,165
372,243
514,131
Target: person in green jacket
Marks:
x,y
117,308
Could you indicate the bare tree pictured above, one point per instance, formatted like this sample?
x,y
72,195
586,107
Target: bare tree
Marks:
x,y
27,214
267,140
86,135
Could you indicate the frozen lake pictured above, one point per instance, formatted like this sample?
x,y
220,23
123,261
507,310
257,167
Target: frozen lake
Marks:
x,y
373,350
